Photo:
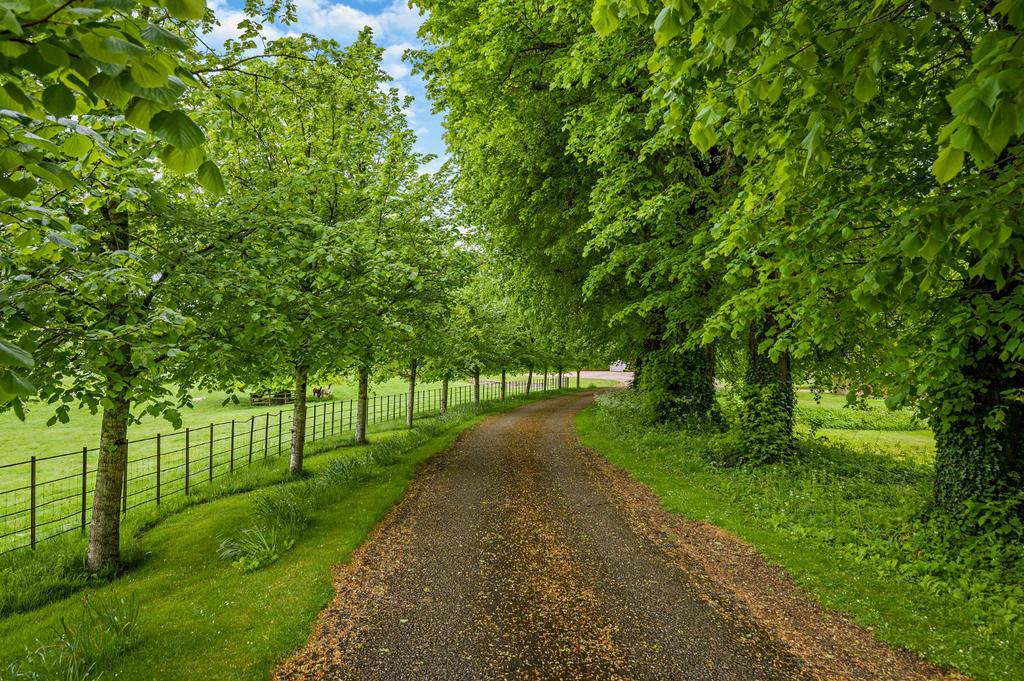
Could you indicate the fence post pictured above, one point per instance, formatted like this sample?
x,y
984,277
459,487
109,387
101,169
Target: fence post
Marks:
x,y
210,475
280,431
32,504
157,472
266,436
124,487
85,483
333,405
314,423
231,459
188,461
252,423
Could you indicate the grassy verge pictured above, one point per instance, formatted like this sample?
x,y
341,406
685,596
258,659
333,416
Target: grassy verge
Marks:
x,y
57,568
198,613
850,522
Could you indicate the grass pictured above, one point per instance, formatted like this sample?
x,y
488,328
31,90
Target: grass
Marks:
x,y
32,437
849,520
198,612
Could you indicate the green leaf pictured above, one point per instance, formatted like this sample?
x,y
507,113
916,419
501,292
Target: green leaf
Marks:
x,y
182,160
53,54
13,385
186,9
9,22
211,179
149,73
19,189
161,37
76,145
108,88
59,100
867,85
97,47
13,356
667,26
604,18
948,164
177,129
141,111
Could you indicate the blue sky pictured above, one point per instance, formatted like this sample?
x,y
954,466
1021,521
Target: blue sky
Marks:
x,y
394,27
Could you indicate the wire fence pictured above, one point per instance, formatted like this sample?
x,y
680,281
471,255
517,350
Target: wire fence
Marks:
x,y
54,494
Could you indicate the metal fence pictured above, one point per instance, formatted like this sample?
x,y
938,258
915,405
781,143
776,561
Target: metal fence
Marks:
x,y
54,495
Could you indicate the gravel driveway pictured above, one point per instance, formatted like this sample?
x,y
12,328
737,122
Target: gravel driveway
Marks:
x,y
516,555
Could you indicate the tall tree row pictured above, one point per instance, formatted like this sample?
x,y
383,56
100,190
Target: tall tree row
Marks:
x,y
829,191
306,256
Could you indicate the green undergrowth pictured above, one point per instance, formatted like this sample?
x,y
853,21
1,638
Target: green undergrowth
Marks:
x,y
198,614
852,523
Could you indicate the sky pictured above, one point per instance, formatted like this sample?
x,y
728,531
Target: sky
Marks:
x,y
394,27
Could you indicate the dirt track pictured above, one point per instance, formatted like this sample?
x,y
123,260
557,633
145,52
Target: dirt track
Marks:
x,y
521,554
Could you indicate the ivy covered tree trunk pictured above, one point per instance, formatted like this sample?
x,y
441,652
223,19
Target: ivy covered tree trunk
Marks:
x,y
444,396
979,447
637,368
410,402
767,414
362,403
105,531
529,382
680,383
502,385
476,387
298,422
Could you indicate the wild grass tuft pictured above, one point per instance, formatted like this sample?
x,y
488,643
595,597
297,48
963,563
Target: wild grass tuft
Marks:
x,y
280,514
82,644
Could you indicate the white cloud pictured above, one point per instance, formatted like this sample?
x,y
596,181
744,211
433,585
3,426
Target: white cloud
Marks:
x,y
397,22
228,29
392,61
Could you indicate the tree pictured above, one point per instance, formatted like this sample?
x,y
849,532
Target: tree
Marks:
x,y
844,100
323,169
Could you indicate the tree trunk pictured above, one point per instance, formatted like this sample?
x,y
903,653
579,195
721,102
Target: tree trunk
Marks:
x,y
476,386
545,384
578,378
112,466
410,402
444,395
105,531
637,366
529,382
298,422
679,383
767,414
559,379
502,385
362,402
978,457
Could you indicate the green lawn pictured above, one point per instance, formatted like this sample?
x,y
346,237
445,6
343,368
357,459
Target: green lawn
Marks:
x,y
845,519
20,440
199,614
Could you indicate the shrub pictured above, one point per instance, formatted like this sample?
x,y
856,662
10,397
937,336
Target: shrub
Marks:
x,y
856,417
